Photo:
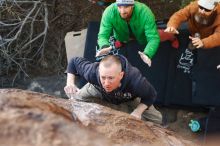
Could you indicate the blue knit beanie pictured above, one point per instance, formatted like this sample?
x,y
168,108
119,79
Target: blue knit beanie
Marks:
x,y
125,2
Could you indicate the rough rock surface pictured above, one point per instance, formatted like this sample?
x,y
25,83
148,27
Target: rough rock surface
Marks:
x,y
30,118
26,120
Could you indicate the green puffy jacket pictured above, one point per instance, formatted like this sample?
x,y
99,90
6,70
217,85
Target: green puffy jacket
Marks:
x,y
142,24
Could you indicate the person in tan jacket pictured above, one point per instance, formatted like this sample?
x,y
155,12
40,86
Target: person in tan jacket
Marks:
x,y
203,17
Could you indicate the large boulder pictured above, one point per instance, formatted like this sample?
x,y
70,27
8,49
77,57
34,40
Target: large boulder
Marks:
x,y
31,118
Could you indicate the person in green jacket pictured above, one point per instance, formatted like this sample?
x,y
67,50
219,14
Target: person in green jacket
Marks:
x,y
129,20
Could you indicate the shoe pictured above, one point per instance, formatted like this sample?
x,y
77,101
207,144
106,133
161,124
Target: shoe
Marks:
x,y
153,115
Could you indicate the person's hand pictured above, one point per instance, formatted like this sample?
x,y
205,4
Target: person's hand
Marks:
x,y
136,114
103,51
70,90
145,58
138,111
218,67
171,30
197,42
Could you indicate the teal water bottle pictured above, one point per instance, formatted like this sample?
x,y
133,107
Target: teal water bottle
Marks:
x,y
194,125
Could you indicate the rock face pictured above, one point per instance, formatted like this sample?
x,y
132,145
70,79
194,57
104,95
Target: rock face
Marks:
x,y
30,118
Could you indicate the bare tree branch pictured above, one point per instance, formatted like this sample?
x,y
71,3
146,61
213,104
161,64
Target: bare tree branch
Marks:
x,y
23,32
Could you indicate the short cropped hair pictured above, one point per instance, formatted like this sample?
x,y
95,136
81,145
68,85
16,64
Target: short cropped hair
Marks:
x,y
111,59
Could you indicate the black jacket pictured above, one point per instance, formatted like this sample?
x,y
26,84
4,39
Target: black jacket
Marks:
x,y
133,84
